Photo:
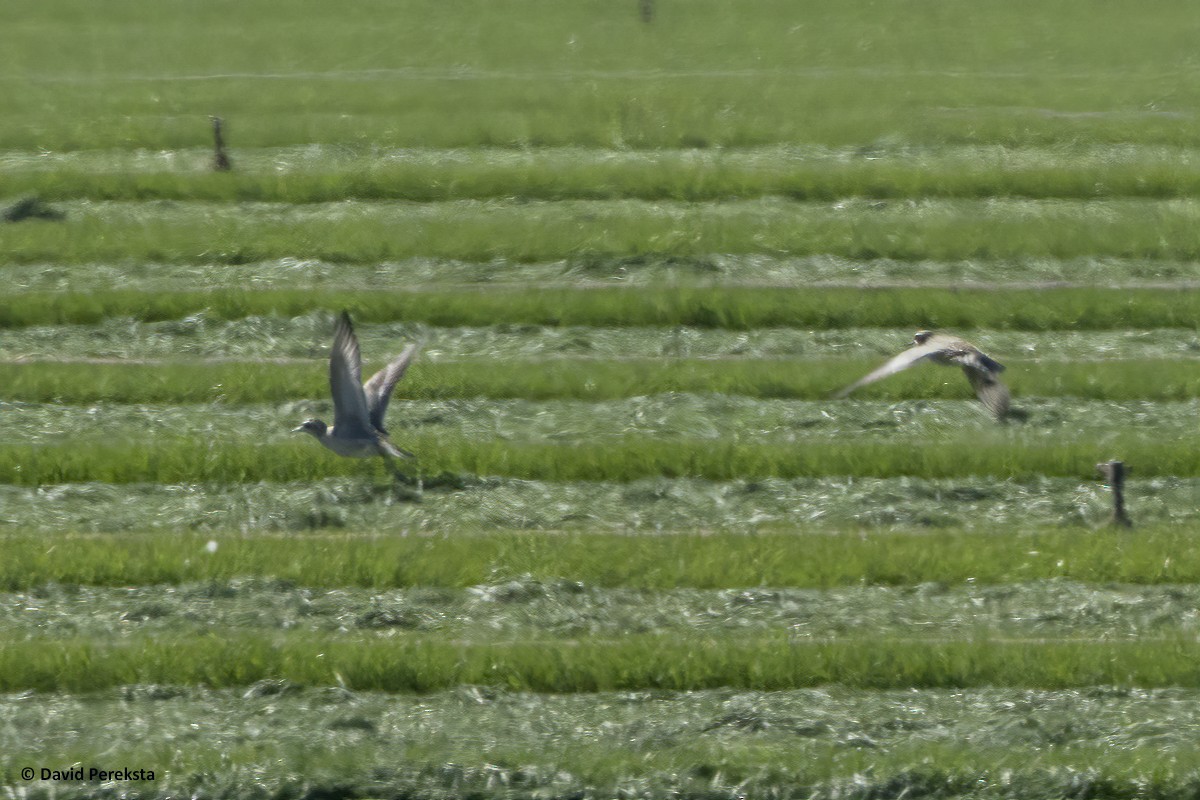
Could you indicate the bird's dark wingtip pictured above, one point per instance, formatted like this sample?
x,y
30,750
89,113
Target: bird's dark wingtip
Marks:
x,y
991,364
345,323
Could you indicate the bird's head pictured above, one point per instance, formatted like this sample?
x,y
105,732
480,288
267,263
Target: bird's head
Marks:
x,y
314,426
921,337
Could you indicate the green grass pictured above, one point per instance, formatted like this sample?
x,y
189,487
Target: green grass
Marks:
x,y
734,307
1152,555
703,73
908,36
473,230
669,418
685,108
200,459
241,382
760,662
330,174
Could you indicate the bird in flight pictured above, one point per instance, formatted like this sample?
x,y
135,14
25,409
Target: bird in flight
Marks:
x,y
980,369
358,408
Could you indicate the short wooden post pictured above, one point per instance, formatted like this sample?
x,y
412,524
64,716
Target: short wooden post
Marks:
x,y
220,162
1114,475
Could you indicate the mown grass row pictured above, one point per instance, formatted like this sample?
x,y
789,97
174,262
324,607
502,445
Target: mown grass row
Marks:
x,y
465,505
241,382
583,270
502,758
763,662
202,459
715,560
735,307
478,743
563,609
472,230
200,339
580,174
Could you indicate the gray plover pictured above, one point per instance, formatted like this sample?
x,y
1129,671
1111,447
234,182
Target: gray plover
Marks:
x,y
358,410
980,369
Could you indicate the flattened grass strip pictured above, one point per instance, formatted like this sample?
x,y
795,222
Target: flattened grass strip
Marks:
x,y
585,269
1157,555
734,307
764,662
242,382
460,505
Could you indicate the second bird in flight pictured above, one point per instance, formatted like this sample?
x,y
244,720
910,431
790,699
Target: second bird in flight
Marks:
x,y
980,369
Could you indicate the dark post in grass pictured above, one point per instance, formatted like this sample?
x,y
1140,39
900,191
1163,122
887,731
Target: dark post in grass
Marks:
x,y
220,162
1114,476
646,9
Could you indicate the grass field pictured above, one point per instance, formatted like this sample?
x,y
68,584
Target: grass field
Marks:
x,y
642,552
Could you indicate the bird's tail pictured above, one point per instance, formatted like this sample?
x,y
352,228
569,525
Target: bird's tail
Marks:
x,y
387,448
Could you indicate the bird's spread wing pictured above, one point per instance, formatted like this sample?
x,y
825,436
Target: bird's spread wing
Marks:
x,y
903,361
991,392
981,370
379,389
345,376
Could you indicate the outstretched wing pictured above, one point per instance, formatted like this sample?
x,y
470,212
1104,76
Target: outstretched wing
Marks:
x,y
991,392
379,389
350,415
909,357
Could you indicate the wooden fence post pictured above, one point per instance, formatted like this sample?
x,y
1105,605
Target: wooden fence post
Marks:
x,y
220,162
1114,475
